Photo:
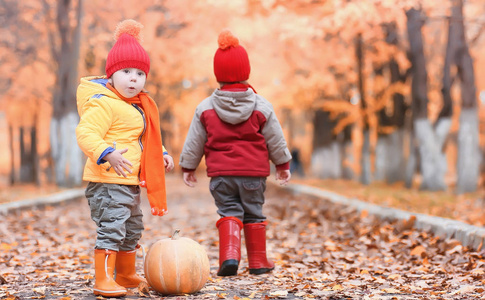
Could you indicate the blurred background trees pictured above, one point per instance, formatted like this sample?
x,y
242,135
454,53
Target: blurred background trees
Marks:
x,y
368,90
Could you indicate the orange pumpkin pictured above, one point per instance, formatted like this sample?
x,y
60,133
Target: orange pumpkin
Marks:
x,y
176,265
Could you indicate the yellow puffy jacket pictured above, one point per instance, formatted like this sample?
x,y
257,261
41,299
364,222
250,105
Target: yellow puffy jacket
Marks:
x,y
106,120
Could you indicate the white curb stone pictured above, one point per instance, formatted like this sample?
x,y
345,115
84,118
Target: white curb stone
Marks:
x,y
57,198
469,235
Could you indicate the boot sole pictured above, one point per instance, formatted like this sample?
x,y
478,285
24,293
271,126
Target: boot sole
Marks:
x,y
260,271
228,268
108,294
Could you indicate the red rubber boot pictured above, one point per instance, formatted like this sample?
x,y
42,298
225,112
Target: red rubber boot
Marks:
x,y
229,245
255,235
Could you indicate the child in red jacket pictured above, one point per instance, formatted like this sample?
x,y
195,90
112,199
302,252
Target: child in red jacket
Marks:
x,y
238,132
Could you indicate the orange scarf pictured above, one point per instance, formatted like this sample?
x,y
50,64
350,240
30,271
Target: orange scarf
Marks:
x,y
152,170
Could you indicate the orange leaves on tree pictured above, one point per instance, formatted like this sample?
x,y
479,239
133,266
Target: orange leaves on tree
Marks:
x,y
348,113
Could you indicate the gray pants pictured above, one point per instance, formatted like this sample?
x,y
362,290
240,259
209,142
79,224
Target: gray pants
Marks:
x,y
240,197
115,209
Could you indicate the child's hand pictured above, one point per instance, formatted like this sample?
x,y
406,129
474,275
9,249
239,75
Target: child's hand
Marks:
x,y
168,162
190,179
283,175
118,162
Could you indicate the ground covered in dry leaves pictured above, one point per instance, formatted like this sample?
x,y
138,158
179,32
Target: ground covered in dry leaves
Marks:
x,y
322,251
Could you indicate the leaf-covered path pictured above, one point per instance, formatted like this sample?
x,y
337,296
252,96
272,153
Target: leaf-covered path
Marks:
x,y
321,251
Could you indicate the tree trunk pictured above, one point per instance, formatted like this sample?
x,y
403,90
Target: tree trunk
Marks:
x,y
25,158
390,159
12,154
347,154
365,161
413,158
433,160
66,155
34,154
428,142
29,163
366,170
469,156
326,160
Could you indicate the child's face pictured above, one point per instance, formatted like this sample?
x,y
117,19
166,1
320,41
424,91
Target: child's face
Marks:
x,y
128,82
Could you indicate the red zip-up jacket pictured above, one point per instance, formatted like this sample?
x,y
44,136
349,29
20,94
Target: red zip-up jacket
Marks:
x,y
238,132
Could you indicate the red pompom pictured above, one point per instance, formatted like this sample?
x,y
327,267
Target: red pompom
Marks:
x,y
227,39
130,27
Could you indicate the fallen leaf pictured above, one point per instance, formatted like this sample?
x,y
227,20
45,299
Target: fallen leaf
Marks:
x,y
330,245
464,289
406,224
143,289
391,291
40,290
4,246
279,294
456,249
418,251
476,273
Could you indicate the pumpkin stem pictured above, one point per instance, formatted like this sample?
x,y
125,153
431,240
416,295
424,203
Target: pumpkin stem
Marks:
x,y
175,234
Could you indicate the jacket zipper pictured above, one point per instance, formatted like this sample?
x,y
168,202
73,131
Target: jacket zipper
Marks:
x,y
144,124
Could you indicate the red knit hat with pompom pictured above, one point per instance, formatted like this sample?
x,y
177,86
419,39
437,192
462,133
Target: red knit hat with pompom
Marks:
x,y
231,62
127,51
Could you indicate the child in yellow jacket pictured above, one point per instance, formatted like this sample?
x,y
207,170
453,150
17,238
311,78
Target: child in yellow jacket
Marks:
x,y
119,131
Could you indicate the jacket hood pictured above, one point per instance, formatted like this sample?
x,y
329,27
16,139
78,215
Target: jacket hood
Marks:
x,y
92,86
234,107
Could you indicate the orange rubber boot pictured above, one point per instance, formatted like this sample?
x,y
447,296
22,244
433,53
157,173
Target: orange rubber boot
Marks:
x,y
229,245
104,266
126,270
255,236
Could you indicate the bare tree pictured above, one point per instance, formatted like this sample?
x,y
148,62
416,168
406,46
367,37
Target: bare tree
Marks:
x,y
66,155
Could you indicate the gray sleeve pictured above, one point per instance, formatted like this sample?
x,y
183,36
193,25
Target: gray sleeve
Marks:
x,y
193,148
273,134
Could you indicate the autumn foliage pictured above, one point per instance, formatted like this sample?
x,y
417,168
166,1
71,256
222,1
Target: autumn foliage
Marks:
x,y
301,52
